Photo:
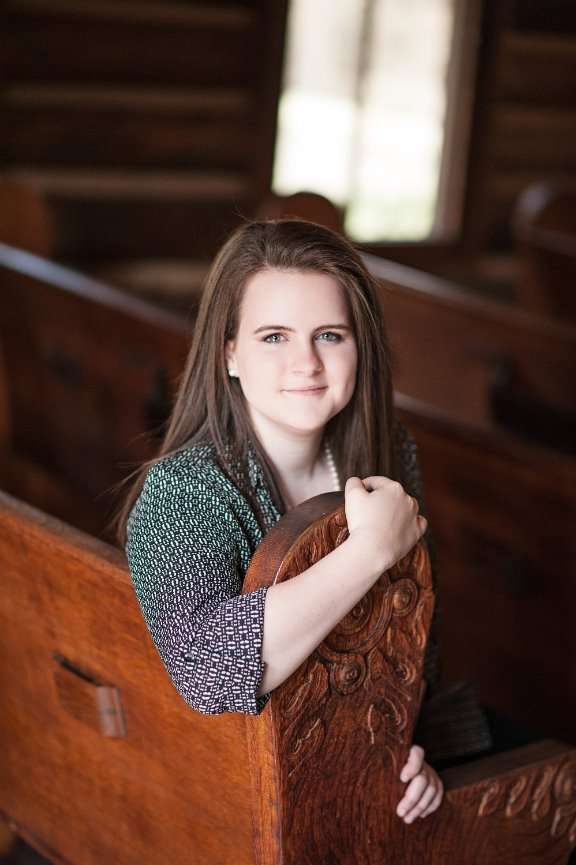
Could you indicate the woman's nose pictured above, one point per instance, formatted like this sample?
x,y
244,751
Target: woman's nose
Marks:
x,y
306,360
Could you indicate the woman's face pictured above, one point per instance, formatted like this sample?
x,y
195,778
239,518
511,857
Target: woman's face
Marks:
x,y
295,352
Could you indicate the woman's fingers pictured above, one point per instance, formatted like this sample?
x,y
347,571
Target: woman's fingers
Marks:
x,y
413,764
435,803
423,803
353,482
425,790
412,795
374,481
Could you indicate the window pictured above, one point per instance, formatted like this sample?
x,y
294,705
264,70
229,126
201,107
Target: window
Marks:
x,y
365,112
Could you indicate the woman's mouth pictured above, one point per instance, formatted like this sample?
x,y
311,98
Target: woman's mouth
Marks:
x,y
307,391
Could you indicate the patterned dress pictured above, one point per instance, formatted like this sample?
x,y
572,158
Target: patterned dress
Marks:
x,y
190,538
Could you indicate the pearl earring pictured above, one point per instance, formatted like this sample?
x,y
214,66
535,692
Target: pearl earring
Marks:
x,y
232,372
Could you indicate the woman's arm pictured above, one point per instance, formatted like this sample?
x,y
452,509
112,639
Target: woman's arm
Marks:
x,y
224,650
185,551
301,612
383,525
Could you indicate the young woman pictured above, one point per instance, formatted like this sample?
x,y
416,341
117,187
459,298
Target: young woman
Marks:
x,y
286,394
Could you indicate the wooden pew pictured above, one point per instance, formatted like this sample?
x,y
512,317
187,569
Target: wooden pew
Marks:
x,y
545,235
104,762
483,363
503,516
89,375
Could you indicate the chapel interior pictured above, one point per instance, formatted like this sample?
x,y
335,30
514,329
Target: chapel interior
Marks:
x,y
439,136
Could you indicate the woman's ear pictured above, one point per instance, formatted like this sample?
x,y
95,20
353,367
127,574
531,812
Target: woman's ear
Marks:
x,y
229,352
230,359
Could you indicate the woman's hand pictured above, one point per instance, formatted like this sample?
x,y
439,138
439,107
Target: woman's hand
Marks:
x,y
383,518
425,790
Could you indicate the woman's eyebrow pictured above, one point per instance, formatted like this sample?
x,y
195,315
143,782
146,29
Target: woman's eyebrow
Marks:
x,y
292,330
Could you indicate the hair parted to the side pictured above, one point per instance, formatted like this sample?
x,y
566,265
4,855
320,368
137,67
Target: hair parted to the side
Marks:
x,y
210,406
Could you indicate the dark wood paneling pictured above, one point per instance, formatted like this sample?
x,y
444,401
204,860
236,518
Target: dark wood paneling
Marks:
x,y
74,47
525,121
57,136
537,70
540,140
146,87
133,228
554,16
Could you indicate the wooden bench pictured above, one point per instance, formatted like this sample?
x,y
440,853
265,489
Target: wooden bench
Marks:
x,y
503,516
89,374
484,363
104,762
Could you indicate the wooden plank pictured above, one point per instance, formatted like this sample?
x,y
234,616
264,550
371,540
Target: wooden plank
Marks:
x,y
97,230
536,68
112,185
45,46
539,139
451,347
116,139
217,101
230,15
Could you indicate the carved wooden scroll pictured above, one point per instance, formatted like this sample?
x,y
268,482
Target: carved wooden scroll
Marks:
x,y
327,750
337,733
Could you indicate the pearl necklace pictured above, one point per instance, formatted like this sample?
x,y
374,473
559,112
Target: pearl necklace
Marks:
x,y
332,466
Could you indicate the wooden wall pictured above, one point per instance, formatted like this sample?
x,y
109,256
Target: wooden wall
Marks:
x,y
525,117
149,125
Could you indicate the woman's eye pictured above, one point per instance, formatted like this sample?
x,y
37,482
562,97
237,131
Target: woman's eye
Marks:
x,y
330,336
325,336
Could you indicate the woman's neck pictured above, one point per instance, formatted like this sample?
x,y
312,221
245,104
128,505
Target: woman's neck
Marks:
x,y
294,457
299,461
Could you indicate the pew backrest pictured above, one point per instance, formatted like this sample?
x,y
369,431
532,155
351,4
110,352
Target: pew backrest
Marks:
x,y
502,516
90,373
479,361
102,760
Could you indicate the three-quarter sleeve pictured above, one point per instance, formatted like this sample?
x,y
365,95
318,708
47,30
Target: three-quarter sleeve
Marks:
x,y
184,552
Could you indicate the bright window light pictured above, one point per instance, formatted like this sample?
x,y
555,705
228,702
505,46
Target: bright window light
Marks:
x,y
362,112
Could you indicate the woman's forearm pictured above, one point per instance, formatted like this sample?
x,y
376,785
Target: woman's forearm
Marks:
x,y
300,612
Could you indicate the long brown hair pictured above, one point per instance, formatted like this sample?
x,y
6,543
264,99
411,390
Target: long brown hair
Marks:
x,y
210,406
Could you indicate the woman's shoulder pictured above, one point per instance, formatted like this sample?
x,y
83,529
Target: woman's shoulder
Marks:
x,y
187,486
187,468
